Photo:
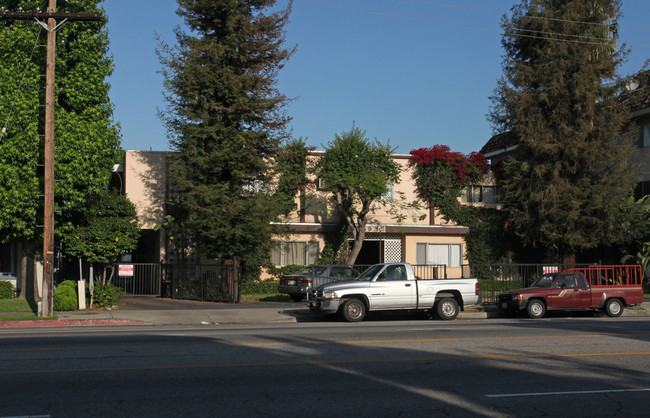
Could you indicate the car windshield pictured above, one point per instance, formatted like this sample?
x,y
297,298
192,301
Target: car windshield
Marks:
x,y
313,270
367,275
546,280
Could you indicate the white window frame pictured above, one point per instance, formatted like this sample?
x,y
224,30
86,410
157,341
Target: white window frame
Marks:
x,y
430,253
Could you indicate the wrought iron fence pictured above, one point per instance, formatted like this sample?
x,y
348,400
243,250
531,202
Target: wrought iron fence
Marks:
x,y
137,278
204,282
498,278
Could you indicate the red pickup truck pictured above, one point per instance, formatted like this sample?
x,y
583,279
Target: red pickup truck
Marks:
x,y
608,288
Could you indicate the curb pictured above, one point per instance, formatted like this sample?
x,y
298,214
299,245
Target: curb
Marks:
x,y
66,323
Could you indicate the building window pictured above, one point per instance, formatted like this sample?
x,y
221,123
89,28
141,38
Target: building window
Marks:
x,y
481,194
642,189
389,193
449,255
645,133
295,252
255,187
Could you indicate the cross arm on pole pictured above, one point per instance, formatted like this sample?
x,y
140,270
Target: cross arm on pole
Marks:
x,y
88,17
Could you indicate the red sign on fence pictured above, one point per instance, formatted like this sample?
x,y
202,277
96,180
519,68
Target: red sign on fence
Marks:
x,y
125,270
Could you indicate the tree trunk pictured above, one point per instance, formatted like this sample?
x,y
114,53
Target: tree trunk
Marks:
x,y
27,273
569,259
359,235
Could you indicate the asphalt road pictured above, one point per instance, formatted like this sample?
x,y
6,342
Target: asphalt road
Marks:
x,y
575,367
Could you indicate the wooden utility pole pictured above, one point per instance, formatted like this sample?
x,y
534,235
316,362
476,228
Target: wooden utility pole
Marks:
x,y
48,211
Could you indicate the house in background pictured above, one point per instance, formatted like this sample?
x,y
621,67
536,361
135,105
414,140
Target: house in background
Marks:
x,y
421,238
640,93
142,177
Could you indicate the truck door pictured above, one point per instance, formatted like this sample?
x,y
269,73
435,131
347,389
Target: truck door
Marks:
x,y
391,289
569,291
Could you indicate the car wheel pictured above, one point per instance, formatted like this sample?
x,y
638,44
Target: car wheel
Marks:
x,y
297,297
614,308
535,309
353,310
447,308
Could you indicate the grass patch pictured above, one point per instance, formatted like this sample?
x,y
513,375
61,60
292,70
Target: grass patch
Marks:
x,y
265,297
17,305
20,310
4,318
264,291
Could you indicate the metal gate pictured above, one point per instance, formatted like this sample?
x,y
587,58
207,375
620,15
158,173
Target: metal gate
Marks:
x,y
215,283
142,279
204,282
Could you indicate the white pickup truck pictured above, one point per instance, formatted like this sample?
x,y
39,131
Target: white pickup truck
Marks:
x,y
393,286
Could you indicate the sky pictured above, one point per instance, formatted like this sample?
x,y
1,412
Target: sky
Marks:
x,y
413,73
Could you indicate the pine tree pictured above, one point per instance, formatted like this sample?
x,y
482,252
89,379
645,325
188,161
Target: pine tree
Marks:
x,y
227,121
566,187
86,137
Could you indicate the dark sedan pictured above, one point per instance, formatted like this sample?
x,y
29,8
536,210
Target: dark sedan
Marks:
x,y
297,285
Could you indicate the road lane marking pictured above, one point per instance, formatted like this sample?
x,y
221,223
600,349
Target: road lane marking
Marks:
x,y
420,340
575,392
320,362
23,349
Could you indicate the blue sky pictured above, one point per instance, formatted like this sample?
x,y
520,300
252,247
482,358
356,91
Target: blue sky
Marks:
x,y
413,72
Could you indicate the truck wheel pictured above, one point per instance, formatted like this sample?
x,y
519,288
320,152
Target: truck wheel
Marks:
x,y
447,308
353,310
297,297
535,309
614,308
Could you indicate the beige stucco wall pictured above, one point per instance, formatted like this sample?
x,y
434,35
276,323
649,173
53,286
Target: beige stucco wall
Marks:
x,y
320,209
145,178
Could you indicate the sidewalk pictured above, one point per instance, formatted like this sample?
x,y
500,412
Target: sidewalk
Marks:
x,y
154,311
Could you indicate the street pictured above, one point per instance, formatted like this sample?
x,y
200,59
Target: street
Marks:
x,y
515,367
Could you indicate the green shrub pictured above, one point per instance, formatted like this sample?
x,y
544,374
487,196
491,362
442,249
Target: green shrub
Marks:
x,y
65,296
260,287
106,295
7,290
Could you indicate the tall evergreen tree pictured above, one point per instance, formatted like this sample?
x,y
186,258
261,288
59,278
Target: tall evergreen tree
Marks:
x,y
86,137
566,187
226,119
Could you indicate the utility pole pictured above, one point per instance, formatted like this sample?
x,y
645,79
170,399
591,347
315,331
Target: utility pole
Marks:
x,y
48,223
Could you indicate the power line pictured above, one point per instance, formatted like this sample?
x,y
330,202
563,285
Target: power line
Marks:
x,y
365,8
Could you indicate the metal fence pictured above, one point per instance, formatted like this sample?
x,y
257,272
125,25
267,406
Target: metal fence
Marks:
x,y
498,278
222,283
213,283
138,278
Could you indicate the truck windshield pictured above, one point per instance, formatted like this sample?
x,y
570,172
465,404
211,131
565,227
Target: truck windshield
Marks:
x,y
367,275
546,280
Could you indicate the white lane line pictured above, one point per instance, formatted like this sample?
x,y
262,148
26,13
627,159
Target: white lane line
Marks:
x,y
576,392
